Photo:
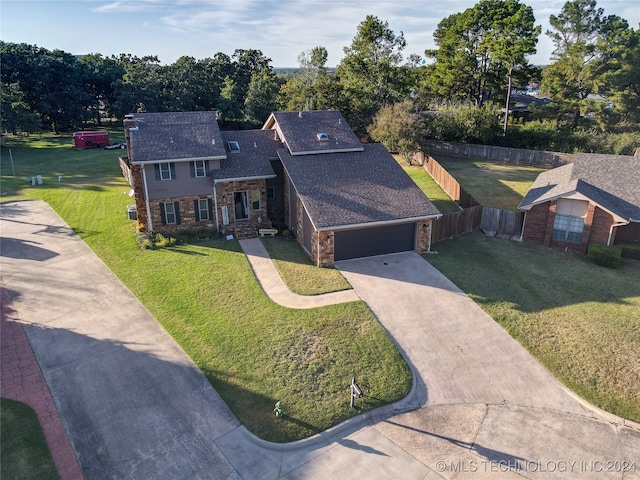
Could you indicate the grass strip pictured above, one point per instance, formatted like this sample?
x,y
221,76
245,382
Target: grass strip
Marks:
x,y
23,448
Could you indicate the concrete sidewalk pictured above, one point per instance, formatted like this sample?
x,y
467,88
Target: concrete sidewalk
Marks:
x,y
275,288
135,406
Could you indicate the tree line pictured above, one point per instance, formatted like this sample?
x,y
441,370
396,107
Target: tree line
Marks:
x,y
482,54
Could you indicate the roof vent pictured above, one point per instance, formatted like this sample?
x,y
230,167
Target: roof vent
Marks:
x,y
300,114
213,141
255,145
322,136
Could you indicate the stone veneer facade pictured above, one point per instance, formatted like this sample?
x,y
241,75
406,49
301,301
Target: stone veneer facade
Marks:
x,y
244,228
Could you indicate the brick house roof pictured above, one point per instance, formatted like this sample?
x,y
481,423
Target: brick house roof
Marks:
x,y
256,149
300,132
611,181
352,188
174,136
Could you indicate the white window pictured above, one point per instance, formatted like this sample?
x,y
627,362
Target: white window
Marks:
x,y
165,171
200,168
170,217
568,224
203,209
567,228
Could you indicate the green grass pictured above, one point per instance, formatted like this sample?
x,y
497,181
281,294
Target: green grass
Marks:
x,y
429,187
493,184
582,321
23,448
206,296
297,270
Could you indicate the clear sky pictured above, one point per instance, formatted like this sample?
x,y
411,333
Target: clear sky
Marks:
x,y
281,29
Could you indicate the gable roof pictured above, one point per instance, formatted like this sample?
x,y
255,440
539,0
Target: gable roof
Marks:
x,y
253,159
353,188
174,136
611,181
300,132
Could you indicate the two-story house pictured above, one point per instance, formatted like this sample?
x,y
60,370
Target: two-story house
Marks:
x,y
303,171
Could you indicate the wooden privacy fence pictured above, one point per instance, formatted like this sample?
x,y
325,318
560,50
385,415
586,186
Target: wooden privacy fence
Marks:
x,y
501,222
472,216
445,181
451,225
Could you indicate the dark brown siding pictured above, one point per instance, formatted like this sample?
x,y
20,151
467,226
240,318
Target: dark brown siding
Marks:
x,y
628,233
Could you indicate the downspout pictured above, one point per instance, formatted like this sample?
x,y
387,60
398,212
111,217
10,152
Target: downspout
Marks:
x,y
146,200
215,201
614,225
524,221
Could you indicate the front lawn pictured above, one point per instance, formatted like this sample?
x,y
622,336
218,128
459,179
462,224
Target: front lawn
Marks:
x,y
23,448
582,321
298,271
253,351
493,184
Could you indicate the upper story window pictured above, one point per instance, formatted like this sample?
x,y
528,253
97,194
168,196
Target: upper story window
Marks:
x,y
165,171
234,146
200,168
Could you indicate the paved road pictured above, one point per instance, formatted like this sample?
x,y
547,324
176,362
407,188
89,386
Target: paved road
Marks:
x,y
134,405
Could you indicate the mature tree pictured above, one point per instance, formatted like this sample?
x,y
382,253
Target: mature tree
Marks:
x,y
50,81
478,50
313,88
15,113
369,72
261,97
589,50
621,81
400,128
100,76
140,88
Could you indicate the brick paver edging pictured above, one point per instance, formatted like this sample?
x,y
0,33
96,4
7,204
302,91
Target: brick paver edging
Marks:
x,y
21,379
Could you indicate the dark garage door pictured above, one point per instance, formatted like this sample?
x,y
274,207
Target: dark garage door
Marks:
x,y
366,242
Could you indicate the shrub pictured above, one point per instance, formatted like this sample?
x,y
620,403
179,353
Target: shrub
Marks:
x,y
604,256
161,241
630,250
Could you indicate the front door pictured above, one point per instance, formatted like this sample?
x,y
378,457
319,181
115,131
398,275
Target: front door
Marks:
x,y
240,205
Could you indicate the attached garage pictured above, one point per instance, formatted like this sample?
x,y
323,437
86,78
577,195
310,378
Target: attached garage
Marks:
x,y
367,242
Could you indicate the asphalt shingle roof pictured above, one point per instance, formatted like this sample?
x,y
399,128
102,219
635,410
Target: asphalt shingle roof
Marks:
x,y
257,148
174,136
355,187
611,181
300,131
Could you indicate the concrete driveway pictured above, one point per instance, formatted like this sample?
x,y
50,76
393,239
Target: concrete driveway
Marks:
x,y
491,410
134,405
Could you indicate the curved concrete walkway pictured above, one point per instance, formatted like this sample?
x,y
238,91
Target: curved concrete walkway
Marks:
x,y
134,405
275,288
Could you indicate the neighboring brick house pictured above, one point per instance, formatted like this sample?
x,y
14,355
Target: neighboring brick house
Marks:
x,y
303,171
594,199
